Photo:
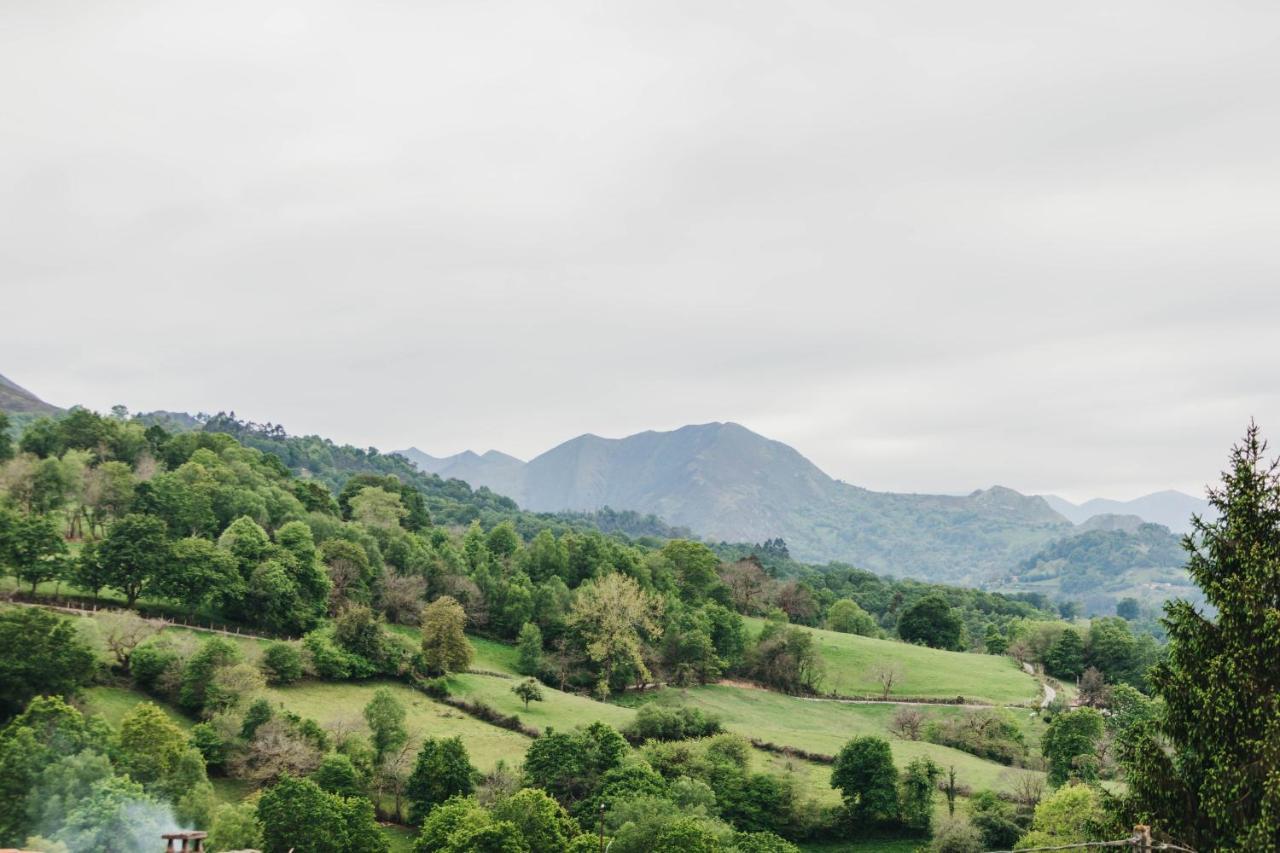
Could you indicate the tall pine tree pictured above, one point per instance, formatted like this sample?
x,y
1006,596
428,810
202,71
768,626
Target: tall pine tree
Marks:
x,y
1207,770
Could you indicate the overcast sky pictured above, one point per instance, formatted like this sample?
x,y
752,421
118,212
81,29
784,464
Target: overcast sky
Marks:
x,y
932,245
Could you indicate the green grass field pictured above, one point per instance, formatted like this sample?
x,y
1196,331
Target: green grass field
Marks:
x,y
925,672
561,710
114,702
824,727
329,703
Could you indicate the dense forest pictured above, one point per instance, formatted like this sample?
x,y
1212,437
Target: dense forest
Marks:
x,y
363,568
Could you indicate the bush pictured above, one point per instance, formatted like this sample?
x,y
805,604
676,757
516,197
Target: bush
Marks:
x,y
956,835
654,722
155,667
988,734
333,663
282,663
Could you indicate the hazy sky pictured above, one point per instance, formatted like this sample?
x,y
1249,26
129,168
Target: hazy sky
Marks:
x,y
932,245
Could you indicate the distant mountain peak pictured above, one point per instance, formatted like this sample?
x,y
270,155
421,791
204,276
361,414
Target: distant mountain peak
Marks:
x,y
15,398
1168,507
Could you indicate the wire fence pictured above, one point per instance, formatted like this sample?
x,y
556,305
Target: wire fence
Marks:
x,y
1140,840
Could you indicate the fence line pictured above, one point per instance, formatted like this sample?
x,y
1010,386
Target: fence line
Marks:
x,y
1141,839
173,623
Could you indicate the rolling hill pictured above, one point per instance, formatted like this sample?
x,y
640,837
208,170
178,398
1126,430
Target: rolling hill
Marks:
x,y
725,482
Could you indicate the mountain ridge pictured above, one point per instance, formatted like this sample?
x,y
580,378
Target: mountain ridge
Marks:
x,y
15,398
728,483
1169,507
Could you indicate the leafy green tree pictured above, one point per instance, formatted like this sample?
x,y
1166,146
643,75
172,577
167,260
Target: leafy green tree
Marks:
x,y
528,690
360,823
378,508
686,835
1065,658
296,815
235,827
198,572
995,819
695,568
349,570
785,657
1073,814
149,745
847,617
258,712
33,546
545,558
39,653
866,778
529,645
569,765
1112,649
917,788
198,672
688,652
445,647
385,716
63,784
338,775
1127,609
442,770
134,554
281,663
933,622
46,731
116,812
614,616
457,814
1070,744
1204,770
995,642
540,821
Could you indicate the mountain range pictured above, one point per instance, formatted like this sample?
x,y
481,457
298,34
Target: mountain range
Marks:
x,y
1170,508
727,483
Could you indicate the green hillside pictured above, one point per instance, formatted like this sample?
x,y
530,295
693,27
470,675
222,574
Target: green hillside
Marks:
x,y
851,663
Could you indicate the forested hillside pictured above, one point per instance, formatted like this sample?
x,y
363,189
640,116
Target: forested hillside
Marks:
x,y
1100,567
732,699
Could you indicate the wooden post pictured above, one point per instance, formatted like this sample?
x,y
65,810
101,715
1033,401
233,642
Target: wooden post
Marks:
x,y
1143,832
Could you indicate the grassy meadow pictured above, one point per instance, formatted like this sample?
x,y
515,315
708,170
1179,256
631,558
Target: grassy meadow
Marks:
x,y
850,662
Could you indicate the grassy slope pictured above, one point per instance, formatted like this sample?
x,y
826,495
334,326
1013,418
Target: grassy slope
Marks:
x,y
925,672
344,702
815,726
824,727
114,702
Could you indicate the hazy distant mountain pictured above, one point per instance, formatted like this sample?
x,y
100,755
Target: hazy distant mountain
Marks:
x,y
1171,508
725,482
15,398
1125,523
501,473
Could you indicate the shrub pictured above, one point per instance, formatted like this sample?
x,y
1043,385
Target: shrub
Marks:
x,y
156,666
282,663
654,722
987,733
